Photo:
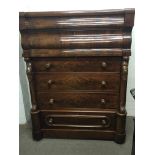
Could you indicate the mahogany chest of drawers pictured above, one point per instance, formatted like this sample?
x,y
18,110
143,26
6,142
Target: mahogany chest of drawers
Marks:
x,y
77,65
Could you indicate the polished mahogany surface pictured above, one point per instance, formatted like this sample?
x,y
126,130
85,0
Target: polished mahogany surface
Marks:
x,y
77,66
111,64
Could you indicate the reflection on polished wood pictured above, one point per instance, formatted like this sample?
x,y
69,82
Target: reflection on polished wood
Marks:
x,y
77,65
115,39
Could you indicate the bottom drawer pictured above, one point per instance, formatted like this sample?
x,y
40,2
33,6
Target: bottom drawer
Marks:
x,y
85,121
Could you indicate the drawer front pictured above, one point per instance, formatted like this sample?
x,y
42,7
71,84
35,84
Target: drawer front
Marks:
x,y
77,65
77,100
105,121
76,39
77,81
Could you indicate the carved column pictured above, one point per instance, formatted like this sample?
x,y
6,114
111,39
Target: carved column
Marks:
x,y
124,74
121,114
31,83
35,113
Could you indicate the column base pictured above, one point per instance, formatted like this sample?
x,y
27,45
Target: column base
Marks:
x,y
120,138
37,136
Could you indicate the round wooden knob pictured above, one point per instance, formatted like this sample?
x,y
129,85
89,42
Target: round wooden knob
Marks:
x,y
104,64
103,83
50,120
48,66
50,82
104,122
51,101
103,101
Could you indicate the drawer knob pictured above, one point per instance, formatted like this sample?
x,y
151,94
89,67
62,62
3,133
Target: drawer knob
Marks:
x,y
50,82
104,122
103,101
47,66
103,83
50,120
104,64
51,101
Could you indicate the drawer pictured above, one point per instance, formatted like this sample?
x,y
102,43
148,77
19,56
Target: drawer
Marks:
x,y
77,81
77,65
74,121
77,100
76,39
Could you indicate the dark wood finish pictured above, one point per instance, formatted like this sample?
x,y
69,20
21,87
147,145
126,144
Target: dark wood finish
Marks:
x,y
76,39
79,134
31,83
107,18
77,65
74,53
76,81
36,128
124,73
87,121
77,100
66,22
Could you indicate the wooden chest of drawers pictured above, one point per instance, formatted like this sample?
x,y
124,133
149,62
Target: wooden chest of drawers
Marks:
x,y
77,65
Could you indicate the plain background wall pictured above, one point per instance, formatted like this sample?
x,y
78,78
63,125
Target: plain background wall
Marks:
x,y
130,106
22,118
25,103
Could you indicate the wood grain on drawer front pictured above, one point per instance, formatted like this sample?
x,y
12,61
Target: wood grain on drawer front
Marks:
x,y
77,65
77,81
77,100
76,39
105,121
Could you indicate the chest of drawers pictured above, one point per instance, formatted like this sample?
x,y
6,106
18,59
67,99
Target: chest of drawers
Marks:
x,y
77,65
